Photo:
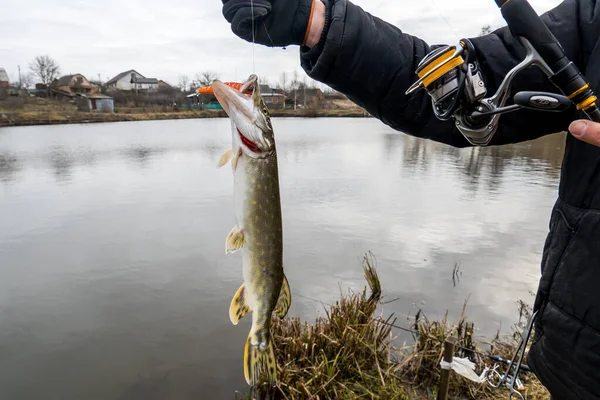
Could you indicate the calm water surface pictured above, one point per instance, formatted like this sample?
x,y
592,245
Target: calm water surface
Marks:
x,y
113,279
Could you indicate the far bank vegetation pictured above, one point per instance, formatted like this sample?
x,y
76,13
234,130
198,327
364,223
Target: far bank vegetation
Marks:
x,y
34,98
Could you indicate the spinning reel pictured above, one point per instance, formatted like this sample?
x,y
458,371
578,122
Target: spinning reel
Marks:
x,y
452,78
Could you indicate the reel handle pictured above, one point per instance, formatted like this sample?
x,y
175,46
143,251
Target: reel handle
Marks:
x,y
524,22
540,101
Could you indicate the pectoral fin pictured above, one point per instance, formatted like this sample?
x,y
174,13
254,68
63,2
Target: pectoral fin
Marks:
x,y
285,299
225,157
235,240
239,307
234,160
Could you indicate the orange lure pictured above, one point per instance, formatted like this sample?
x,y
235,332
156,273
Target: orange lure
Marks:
x,y
235,85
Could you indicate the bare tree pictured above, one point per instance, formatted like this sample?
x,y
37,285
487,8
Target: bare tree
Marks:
x,y
183,82
485,30
284,86
26,81
206,78
295,84
304,91
283,81
45,68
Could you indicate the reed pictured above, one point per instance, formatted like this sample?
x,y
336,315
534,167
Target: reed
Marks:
x,y
352,352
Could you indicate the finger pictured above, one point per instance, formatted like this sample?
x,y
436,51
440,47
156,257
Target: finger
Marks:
x,y
586,131
232,8
241,24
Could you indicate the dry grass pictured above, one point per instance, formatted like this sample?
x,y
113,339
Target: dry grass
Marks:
x,y
50,118
351,353
320,113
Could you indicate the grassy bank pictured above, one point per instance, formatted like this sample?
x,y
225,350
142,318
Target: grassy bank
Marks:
x,y
55,118
48,112
352,353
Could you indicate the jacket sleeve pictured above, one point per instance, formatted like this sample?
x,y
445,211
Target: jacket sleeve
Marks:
x,y
373,63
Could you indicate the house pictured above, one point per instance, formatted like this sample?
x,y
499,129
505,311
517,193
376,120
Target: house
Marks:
x,y
164,85
95,103
72,85
3,78
310,97
273,98
132,80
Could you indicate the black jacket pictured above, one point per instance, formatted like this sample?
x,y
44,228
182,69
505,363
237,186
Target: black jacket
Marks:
x,y
373,63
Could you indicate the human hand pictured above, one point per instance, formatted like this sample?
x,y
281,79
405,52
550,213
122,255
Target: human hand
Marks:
x,y
586,131
277,23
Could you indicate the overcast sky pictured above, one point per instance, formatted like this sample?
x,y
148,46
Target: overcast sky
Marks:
x,y
165,39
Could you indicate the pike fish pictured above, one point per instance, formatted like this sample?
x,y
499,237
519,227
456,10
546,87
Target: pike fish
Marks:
x,y
258,226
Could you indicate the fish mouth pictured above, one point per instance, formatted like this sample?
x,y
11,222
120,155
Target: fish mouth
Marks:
x,y
230,98
241,109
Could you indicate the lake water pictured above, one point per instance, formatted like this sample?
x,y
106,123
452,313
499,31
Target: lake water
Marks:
x,y
113,279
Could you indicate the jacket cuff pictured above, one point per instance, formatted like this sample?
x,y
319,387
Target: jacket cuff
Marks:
x,y
316,58
314,52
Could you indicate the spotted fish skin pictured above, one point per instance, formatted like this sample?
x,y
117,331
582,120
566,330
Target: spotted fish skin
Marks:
x,y
262,254
258,233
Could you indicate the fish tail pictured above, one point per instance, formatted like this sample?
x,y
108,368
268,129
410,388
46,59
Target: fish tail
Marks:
x,y
259,358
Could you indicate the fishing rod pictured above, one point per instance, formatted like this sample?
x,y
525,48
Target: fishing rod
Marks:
x,y
453,79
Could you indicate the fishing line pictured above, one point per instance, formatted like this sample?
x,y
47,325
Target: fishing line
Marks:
x,y
444,18
253,39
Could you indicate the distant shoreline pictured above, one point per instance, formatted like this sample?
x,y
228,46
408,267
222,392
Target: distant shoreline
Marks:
x,y
13,119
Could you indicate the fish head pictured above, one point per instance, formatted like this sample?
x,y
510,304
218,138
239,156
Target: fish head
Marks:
x,y
249,115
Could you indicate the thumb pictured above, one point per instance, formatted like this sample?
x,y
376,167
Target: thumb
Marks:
x,y
586,131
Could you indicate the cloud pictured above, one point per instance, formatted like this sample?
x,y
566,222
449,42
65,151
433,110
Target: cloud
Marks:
x,y
163,40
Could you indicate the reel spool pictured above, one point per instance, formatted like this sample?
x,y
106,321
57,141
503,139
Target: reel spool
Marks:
x,y
451,78
439,73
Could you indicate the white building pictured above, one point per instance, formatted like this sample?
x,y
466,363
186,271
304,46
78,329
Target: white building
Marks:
x,y
132,80
3,78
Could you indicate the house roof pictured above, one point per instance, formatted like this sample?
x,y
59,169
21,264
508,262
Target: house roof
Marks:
x,y
146,80
122,74
98,96
313,92
66,80
3,75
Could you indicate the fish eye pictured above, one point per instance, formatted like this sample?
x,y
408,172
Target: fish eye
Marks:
x,y
265,111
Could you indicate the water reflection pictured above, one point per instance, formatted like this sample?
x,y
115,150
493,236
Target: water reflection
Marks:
x,y
141,154
62,161
478,164
9,166
113,240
